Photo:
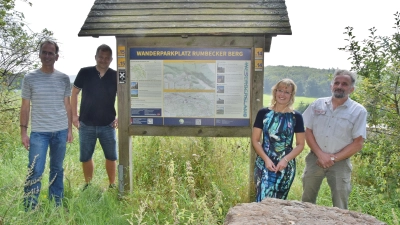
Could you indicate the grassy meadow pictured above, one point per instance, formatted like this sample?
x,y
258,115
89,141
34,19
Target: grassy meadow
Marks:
x,y
177,180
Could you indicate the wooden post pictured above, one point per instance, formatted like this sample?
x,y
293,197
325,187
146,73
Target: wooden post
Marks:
x,y
125,166
257,94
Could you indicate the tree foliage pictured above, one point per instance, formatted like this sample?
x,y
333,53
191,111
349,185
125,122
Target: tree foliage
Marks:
x,y
19,47
377,62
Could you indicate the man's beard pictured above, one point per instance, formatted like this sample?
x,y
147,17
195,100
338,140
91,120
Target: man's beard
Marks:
x,y
338,93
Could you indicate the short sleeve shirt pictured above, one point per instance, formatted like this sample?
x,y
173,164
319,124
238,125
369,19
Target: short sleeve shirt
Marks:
x,y
47,93
98,96
298,126
335,129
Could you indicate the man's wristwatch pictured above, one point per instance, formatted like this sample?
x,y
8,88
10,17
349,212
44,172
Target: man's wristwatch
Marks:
x,y
333,158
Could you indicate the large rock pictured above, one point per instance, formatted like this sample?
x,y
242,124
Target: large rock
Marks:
x,y
276,211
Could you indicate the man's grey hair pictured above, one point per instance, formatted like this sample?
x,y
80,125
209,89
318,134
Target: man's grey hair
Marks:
x,y
352,75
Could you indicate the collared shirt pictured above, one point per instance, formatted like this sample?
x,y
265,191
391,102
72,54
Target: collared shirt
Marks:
x,y
335,129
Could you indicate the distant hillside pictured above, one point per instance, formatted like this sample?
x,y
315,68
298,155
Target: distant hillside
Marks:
x,y
310,82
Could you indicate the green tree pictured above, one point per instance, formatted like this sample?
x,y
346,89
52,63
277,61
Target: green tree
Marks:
x,y
19,47
377,63
312,88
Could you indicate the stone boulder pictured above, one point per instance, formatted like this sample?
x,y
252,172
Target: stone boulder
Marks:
x,y
276,211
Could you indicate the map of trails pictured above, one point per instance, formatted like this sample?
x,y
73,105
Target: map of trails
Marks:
x,y
189,89
192,76
146,70
138,72
189,104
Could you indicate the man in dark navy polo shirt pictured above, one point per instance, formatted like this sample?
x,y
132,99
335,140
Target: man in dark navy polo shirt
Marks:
x,y
97,116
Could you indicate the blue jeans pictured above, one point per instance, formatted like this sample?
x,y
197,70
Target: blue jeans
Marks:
x,y
39,143
88,136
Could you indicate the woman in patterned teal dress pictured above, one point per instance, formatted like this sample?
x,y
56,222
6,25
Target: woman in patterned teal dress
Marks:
x,y
275,165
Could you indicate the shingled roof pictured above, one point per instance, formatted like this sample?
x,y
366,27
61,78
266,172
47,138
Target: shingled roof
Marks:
x,y
186,18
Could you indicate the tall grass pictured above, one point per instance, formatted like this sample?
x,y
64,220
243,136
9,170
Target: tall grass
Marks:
x,y
176,181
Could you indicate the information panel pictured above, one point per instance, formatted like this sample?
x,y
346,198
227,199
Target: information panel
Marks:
x,y
190,86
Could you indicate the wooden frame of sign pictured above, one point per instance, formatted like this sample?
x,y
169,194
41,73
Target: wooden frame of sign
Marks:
x,y
256,45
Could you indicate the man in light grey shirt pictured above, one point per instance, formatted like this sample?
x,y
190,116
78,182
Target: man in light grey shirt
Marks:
x,y
47,92
335,130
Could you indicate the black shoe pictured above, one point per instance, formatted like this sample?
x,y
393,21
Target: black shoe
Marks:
x,y
86,186
112,186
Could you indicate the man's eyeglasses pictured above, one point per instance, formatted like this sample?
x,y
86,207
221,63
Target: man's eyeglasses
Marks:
x,y
48,53
283,92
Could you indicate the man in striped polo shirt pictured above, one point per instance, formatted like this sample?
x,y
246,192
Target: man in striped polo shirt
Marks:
x,y
46,99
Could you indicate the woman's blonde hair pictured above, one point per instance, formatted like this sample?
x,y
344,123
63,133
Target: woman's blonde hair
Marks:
x,y
286,82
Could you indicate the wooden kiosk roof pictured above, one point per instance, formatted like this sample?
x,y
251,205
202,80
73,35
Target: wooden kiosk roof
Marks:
x,y
186,18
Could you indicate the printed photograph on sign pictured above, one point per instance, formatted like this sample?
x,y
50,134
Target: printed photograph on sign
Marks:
x,y
220,79
220,69
134,85
220,110
134,89
220,89
134,93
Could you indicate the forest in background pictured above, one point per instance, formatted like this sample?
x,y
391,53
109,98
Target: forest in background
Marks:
x,y
311,82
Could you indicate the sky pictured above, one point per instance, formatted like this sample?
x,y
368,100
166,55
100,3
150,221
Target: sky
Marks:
x,y
317,27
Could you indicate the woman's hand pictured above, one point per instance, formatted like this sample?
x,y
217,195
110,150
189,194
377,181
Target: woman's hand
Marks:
x,y
281,165
270,165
